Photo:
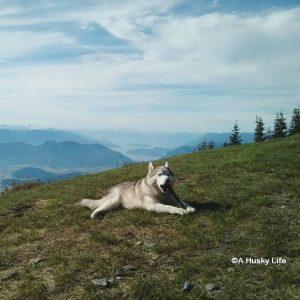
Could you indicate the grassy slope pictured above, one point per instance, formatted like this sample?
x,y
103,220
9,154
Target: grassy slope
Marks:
x,y
248,200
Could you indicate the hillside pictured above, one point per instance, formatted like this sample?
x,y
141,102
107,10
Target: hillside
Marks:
x,y
248,206
63,154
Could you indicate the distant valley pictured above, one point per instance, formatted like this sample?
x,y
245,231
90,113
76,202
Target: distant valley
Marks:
x,y
155,151
136,139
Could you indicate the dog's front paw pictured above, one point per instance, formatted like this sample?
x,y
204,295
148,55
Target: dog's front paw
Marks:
x,y
183,211
190,209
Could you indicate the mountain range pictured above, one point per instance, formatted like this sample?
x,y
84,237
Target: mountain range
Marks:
x,y
40,136
48,154
63,154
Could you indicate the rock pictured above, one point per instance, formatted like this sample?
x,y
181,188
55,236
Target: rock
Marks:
x,y
187,286
230,269
129,268
35,260
175,269
138,243
212,286
283,206
125,271
122,273
100,282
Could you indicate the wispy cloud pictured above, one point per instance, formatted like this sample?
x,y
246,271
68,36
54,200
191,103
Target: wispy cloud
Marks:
x,y
70,65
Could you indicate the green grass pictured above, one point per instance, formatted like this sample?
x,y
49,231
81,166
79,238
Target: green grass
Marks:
x,y
248,206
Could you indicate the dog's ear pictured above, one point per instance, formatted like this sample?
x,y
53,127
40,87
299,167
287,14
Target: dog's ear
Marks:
x,y
166,165
151,167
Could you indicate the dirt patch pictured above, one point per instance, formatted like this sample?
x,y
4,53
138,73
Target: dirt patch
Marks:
x,y
18,211
42,203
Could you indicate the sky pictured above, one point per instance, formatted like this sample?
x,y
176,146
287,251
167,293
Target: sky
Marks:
x,y
172,65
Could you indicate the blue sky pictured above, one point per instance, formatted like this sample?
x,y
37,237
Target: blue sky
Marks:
x,y
172,65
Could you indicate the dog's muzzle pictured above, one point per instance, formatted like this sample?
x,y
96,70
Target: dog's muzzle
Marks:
x,y
165,187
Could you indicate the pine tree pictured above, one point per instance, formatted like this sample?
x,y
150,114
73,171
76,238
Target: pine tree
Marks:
x,y
295,122
280,127
235,138
259,135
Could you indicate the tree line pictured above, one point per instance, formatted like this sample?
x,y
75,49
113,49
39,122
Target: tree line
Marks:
x,y
280,130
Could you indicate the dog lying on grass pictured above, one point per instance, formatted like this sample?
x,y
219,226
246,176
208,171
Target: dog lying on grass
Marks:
x,y
153,192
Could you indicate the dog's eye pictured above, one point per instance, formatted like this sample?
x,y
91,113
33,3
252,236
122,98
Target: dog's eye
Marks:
x,y
159,174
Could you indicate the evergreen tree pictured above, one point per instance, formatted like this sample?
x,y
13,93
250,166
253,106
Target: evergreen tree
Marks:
x,y
211,145
280,127
295,122
259,135
235,138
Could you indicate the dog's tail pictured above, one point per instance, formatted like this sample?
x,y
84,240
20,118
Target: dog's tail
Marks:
x,y
92,204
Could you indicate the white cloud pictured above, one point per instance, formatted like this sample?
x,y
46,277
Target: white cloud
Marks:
x,y
254,57
250,49
19,43
7,11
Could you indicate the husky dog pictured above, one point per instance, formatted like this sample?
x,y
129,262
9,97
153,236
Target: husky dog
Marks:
x,y
153,193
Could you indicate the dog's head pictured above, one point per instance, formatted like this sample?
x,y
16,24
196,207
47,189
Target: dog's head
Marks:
x,y
161,177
